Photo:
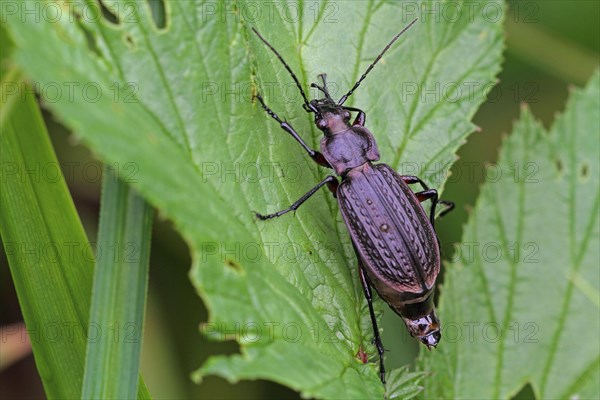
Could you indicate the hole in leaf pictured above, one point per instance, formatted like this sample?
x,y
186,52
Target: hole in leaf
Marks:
x,y
157,10
559,165
108,14
90,39
232,264
128,40
585,170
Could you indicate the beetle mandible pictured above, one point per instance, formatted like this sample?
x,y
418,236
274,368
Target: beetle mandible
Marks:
x,y
395,241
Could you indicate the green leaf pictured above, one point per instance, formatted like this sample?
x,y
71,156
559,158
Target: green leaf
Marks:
x,y
39,225
119,292
206,155
402,384
50,259
521,304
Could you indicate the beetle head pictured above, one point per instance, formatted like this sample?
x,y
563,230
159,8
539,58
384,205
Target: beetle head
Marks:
x,y
330,118
426,329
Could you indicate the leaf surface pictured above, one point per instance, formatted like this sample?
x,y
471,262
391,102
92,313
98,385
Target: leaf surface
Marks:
x,y
176,104
521,304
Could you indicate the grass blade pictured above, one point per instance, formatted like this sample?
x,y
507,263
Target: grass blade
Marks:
x,y
50,259
119,293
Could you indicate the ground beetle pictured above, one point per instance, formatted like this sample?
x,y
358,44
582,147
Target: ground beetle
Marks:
x,y
395,242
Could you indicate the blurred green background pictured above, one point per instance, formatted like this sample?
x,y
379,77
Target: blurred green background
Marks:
x,y
551,45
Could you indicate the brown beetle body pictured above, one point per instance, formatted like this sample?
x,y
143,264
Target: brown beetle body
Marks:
x,y
394,239
391,233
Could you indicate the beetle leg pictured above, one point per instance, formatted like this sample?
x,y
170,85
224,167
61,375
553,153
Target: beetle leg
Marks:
x,y
410,179
333,186
315,155
449,207
426,195
369,297
360,118
299,202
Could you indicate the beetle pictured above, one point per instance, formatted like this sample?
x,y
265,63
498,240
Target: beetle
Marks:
x,y
395,242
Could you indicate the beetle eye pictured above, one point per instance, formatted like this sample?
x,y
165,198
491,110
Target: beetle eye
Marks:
x,y
347,115
321,124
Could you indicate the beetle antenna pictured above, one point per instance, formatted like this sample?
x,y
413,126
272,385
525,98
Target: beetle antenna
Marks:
x,y
307,105
324,87
345,97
